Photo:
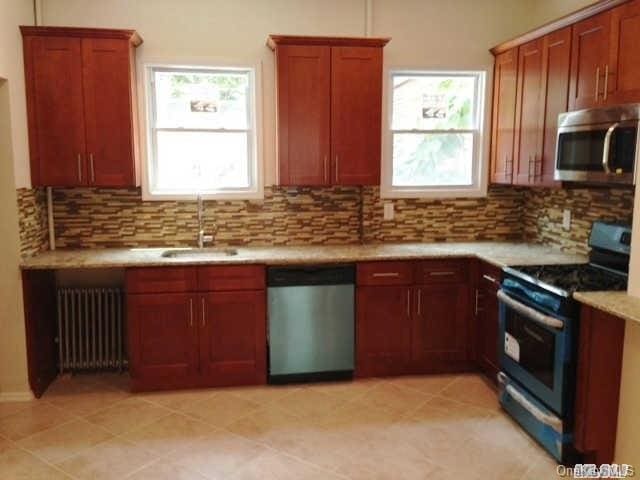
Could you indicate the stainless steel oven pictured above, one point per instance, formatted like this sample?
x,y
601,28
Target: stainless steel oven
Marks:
x,y
536,348
598,145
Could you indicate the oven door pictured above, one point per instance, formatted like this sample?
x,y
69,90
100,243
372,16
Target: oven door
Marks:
x,y
535,350
597,153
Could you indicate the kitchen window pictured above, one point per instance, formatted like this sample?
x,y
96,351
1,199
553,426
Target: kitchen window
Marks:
x,y
202,133
434,138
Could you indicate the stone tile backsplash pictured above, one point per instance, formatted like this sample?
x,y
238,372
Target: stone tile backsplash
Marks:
x,y
100,218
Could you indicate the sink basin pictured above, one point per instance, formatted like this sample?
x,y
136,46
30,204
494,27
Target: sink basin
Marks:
x,y
199,252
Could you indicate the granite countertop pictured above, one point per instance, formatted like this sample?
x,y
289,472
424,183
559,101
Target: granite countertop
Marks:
x,y
618,304
497,253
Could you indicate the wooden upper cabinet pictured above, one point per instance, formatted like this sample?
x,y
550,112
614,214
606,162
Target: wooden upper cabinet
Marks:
x,y
557,60
542,94
329,108
504,114
81,106
107,79
589,57
356,115
623,84
55,110
529,113
304,114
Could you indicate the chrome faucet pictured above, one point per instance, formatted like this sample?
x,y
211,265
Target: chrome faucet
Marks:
x,y
202,238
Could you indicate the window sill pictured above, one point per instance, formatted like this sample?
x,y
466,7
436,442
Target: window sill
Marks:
x,y
432,193
221,196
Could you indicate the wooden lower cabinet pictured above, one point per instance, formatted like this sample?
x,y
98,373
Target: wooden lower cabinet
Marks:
x,y
421,326
599,373
486,319
383,334
439,328
233,337
163,340
212,337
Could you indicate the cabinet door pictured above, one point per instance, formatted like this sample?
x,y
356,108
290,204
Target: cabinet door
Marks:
x,y
528,137
487,321
623,83
107,82
163,339
233,337
504,115
356,106
304,92
439,333
557,62
589,55
53,67
383,339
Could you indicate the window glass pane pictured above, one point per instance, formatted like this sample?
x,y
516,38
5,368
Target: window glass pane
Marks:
x,y
192,99
423,160
201,161
433,102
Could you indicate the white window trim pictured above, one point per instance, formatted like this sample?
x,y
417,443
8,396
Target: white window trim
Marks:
x,y
256,192
480,146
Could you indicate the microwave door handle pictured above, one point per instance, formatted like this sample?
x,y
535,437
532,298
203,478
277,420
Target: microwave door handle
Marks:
x,y
607,147
529,312
543,417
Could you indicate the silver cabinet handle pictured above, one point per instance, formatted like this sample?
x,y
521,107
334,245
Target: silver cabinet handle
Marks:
x,y
597,83
203,312
419,301
408,302
92,169
477,298
337,167
191,312
80,167
386,275
606,81
490,278
441,274
607,147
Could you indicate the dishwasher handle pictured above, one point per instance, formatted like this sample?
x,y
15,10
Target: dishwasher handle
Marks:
x,y
302,276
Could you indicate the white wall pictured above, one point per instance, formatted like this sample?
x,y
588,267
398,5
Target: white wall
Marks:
x,y
426,33
13,369
545,11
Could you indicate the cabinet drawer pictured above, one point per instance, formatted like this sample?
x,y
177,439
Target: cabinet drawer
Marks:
x,y
161,279
384,273
441,271
231,277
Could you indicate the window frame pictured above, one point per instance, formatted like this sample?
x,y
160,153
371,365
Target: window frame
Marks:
x,y
255,190
478,187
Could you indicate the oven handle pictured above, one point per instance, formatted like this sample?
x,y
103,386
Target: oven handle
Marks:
x,y
546,418
529,312
607,147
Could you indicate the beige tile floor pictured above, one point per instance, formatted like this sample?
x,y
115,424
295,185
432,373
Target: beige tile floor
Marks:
x,y
432,427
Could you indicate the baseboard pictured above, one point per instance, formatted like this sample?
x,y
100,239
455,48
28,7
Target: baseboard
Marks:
x,y
16,396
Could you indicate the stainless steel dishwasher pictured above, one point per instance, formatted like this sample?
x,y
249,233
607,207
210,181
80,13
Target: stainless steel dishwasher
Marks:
x,y
311,323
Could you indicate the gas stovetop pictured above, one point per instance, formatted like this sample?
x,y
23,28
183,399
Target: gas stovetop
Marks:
x,y
571,278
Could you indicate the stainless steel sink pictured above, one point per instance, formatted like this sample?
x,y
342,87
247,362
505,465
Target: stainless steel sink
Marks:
x,y
199,252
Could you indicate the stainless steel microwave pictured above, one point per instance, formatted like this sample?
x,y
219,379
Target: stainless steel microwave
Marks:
x,y
599,145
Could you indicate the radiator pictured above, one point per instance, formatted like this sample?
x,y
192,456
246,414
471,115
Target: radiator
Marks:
x,y
90,329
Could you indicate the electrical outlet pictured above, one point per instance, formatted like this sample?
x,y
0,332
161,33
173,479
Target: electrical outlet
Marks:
x,y
388,211
566,219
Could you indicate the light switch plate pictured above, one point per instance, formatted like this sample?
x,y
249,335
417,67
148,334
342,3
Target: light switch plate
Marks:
x,y
388,211
566,219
